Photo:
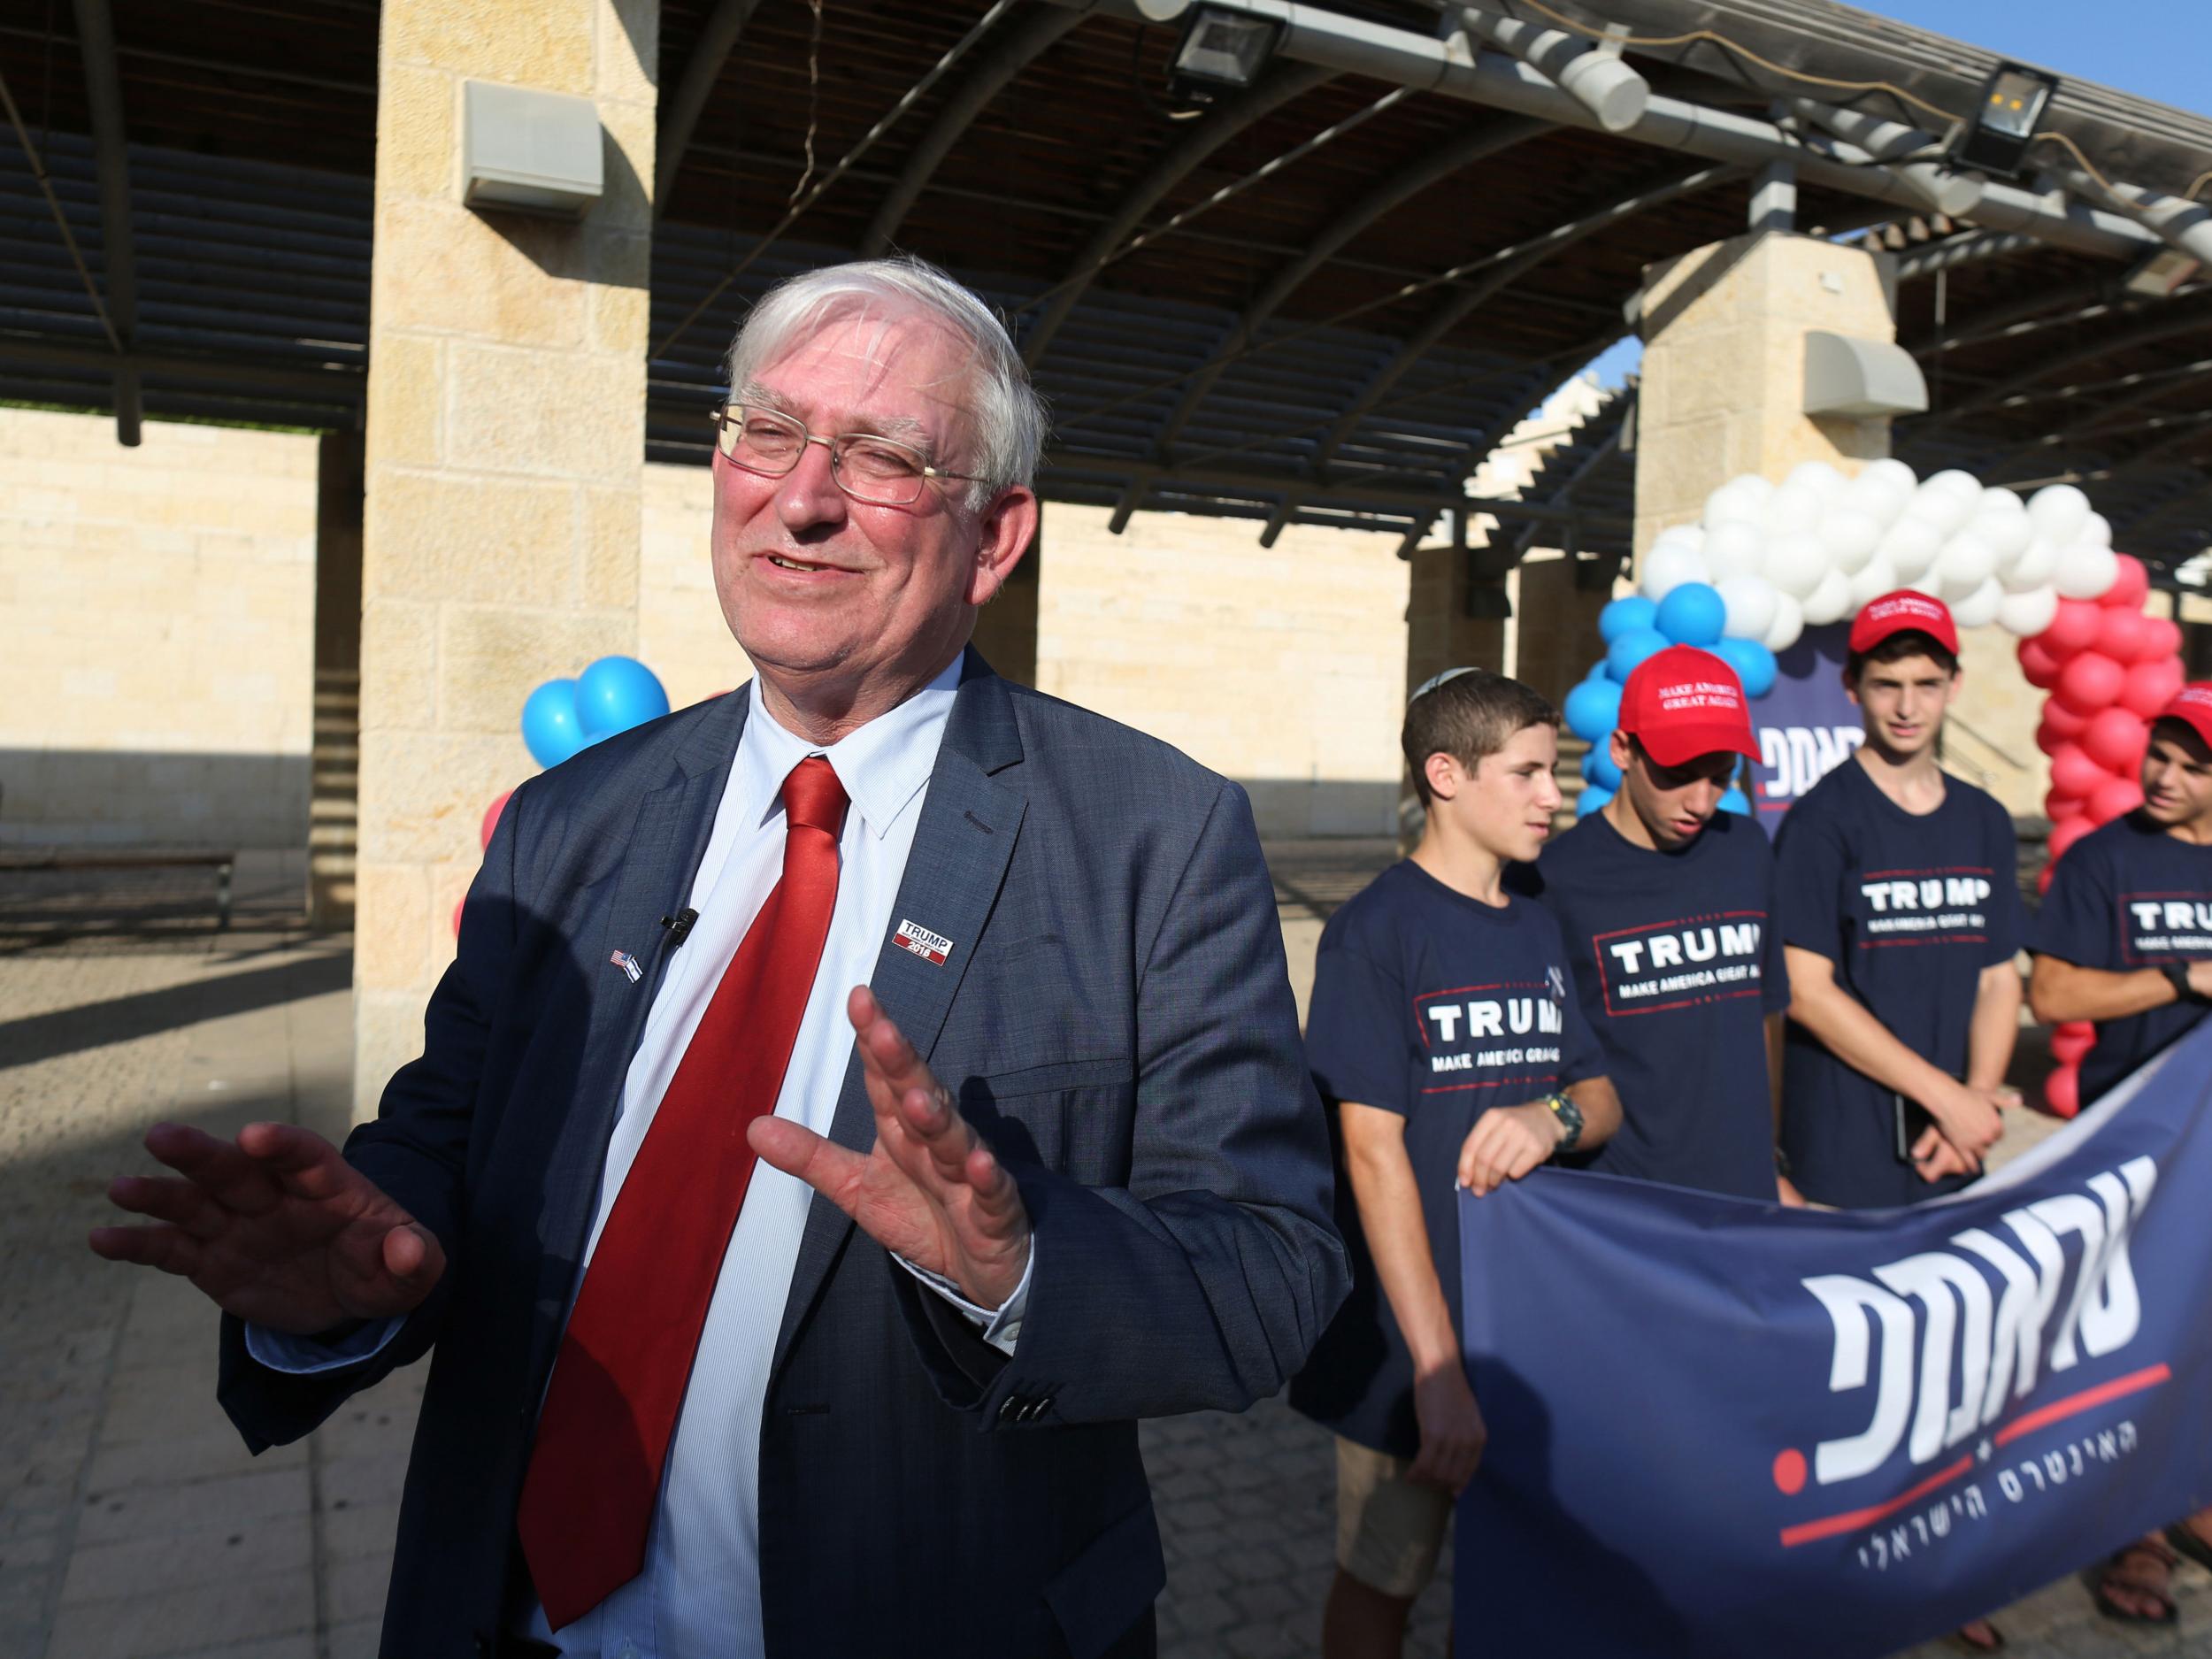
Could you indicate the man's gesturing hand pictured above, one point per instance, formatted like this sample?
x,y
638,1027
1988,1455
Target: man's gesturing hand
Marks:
x,y
276,1228
930,1190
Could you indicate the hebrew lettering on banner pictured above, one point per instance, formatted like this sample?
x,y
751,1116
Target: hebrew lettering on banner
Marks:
x,y
1718,1427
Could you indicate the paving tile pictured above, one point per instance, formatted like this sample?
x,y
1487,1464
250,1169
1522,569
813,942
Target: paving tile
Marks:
x,y
184,1557
226,1613
144,1510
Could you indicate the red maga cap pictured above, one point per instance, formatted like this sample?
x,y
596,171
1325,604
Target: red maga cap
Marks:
x,y
1682,702
2192,705
1906,609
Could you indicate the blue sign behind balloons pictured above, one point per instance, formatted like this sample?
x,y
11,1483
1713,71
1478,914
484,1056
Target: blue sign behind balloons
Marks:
x,y
1807,725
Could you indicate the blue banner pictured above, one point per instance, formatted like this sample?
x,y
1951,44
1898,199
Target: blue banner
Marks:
x,y
1807,725
1718,1427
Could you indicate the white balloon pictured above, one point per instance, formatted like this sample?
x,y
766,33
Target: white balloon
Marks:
x,y
1850,537
2007,535
2097,529
1930,584
1751,601
2034,568
1831,601
2059,511
1793,509
1946,508
1795,561
1876,495
1967,562
1877,576
1978,608
2028,614
1688,537
1789,622
1895,472
1666,567
1732,504
1997,498
1733,548
1955,482
1912,545
2085,570
1820,477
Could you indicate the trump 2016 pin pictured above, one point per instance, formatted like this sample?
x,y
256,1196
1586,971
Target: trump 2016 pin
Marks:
x,y
931,947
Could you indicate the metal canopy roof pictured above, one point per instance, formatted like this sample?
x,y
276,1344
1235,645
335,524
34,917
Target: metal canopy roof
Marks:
x,y
1296,352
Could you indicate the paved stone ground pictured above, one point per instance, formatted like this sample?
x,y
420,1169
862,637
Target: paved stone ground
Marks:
x,y
133,1524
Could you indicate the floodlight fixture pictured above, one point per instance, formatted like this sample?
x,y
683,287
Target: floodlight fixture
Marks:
x,y
1996,136
1222,51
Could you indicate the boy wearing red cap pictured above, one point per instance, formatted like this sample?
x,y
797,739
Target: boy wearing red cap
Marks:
x,y
2125,938
1668,905
1901,914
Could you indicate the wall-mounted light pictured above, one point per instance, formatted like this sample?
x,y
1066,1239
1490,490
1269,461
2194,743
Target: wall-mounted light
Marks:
x,y
1996,137
1221,51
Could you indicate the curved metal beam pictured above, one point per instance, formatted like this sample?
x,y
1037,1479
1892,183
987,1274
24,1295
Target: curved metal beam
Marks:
x,y
1034,35
1954,251
118,250
1226,121
2171,318
680,113
1484,139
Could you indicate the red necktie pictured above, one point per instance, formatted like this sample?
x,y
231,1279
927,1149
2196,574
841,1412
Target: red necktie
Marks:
x,y
619,1379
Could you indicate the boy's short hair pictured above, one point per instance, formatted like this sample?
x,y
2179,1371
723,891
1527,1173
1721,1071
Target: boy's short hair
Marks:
x,y
1895,648
1467,716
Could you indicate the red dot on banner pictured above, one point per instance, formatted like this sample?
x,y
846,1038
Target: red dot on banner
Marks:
x,y
1789,1472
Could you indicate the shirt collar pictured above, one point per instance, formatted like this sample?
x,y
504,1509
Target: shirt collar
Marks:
x,y
882,764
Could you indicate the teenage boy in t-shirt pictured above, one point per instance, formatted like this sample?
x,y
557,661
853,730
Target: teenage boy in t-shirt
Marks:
x,y
2125,938
1450,1052
1668,906
1900,913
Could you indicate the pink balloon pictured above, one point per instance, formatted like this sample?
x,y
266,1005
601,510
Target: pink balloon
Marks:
x,y
2039,662
2125,636
2058,808
459,905
2091,681
2073,629
2114,742
2150,686
2062,1092
2072,1040
2063,725
2165,638
2129,586
2064,835
491,818
2043,878
2116,799
2073,772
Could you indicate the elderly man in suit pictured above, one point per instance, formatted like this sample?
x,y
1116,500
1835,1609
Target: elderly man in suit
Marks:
x,y
854,1102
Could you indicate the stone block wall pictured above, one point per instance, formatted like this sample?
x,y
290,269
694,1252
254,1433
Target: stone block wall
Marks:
x,y
157,606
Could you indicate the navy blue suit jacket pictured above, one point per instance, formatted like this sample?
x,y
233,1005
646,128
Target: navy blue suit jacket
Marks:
x,y
1114,1016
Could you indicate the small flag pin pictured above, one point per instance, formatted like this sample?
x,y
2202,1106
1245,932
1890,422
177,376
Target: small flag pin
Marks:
x,y
627,963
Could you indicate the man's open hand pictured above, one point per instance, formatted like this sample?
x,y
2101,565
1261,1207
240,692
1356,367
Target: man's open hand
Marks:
x,y
1506,1143
930,1190
276,1228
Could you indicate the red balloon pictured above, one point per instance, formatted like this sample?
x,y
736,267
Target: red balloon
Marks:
x,y
2150,686
2058,808
2073,772
2091,681
2115,741
2062,723
2064,835
2043,881
2116,799
2074,629
2129,586
2062,1092
2125,636
2072,1040
2039,663
459,905
491,818
2165,638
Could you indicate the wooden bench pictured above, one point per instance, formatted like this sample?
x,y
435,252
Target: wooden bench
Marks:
x,y
95,858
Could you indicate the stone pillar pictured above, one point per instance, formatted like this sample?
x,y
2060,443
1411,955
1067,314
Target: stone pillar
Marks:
x,y
505,447
334,753
1723,384
1006,629
1439,634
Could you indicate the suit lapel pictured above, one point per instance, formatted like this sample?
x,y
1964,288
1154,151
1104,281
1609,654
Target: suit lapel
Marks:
x,y
965,836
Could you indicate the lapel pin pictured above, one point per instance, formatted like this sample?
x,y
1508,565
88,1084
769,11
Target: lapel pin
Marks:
x,y
931,947
627,963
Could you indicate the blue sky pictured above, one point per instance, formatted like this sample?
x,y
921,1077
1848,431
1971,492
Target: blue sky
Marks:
x,y
2153,48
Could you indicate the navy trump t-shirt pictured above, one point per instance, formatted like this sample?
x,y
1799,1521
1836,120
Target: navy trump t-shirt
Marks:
x,y
1437,1007
1679,962
2125,897
1910,908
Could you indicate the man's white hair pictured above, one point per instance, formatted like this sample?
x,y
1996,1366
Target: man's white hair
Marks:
x,y
1007,415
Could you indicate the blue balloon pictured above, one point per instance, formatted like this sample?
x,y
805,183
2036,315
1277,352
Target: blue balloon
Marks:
x,y
1630,649
1597,670
1736,801
1590,799
1692,614
1593,708
617,693
1754,664
1623,615
1598,768
549,725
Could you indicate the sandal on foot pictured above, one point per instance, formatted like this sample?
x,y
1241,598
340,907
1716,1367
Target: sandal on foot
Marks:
x,y
2146,1549
2189,1544
1965,1643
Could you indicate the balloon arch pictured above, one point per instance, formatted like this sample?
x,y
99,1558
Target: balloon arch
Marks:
x,y
1766,561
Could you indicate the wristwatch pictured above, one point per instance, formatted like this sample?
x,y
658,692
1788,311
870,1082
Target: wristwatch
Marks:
x,y
2177,976
1569,1115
